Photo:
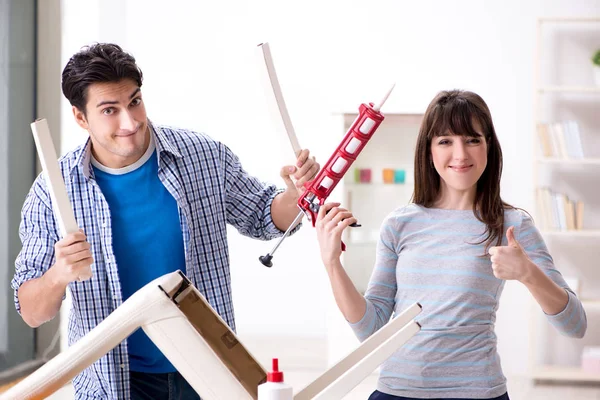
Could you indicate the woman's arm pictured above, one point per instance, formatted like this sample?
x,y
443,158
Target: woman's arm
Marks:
x,y
350,302
330,224
365,314
551,297
528,261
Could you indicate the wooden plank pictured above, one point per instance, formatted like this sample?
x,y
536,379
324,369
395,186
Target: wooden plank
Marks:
x,y
278,109
56,185
371,349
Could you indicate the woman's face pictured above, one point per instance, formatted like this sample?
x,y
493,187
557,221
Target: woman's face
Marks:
x,y
459,160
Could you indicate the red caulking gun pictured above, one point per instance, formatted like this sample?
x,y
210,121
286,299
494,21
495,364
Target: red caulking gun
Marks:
x,y
354,141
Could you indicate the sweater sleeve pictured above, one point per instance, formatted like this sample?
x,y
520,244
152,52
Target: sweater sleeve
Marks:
x,y
571,321
380,296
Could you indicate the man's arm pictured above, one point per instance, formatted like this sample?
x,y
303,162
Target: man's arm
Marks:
x,y
45,265
257,210
40,298
284,209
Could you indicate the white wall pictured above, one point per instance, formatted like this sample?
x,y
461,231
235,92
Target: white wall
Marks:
x,y
198,63
4,52
48,105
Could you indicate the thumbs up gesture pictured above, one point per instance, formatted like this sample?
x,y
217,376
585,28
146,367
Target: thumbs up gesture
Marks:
x,y
511,262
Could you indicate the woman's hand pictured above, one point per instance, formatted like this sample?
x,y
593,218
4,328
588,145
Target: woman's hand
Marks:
x,y
511,262
331,222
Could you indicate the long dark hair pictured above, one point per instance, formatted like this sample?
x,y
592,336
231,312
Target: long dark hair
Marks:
x,y
454,112
98,63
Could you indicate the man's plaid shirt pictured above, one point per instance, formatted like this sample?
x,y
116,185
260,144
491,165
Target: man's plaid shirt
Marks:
x,y
211,189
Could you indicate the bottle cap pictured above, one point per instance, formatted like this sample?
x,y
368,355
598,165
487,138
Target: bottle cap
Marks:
x,y
275,375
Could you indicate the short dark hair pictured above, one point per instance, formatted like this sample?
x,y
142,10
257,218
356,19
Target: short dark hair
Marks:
x,y
98,63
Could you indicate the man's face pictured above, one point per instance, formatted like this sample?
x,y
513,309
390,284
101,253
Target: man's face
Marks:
x,y
116,121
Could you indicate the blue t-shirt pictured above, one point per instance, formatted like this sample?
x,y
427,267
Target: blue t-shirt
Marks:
x,y
147,240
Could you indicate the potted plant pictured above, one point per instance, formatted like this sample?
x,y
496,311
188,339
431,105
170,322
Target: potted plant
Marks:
x,y
596,62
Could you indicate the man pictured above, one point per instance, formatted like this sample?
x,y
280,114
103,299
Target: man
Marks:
x,y
149,200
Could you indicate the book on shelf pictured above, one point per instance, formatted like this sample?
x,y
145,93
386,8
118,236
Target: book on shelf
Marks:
x,y
558,212
560,140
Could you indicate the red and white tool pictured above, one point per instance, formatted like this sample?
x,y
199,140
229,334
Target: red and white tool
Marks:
x,y
316,191
360,132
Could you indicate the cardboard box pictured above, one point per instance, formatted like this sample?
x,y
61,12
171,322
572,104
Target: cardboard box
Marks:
x,y
217,334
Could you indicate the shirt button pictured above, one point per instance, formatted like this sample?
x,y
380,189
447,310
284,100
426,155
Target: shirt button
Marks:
x,y
104,224
122,365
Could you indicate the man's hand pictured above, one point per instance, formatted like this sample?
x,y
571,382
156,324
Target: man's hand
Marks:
x,y
284,207
73,258
41,297
511,262
306,168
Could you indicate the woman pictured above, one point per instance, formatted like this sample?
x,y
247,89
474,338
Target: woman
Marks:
x,y
451,250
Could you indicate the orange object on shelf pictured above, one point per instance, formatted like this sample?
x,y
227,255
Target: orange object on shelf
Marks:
x,y
388,175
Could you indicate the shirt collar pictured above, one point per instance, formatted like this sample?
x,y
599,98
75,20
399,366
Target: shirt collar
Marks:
x,y
83,158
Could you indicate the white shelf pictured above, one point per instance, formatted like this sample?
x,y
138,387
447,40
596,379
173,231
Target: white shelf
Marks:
x,y
569,89
570,161
568,19
377,185
360,243
557,373
570,95
590,303
581,233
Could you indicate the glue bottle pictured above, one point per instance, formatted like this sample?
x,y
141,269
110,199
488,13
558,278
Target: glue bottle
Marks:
x,y
274,388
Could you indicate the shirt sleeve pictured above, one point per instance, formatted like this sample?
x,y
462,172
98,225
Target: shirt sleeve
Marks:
x,y
248,201
381,291
571,321
38,234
